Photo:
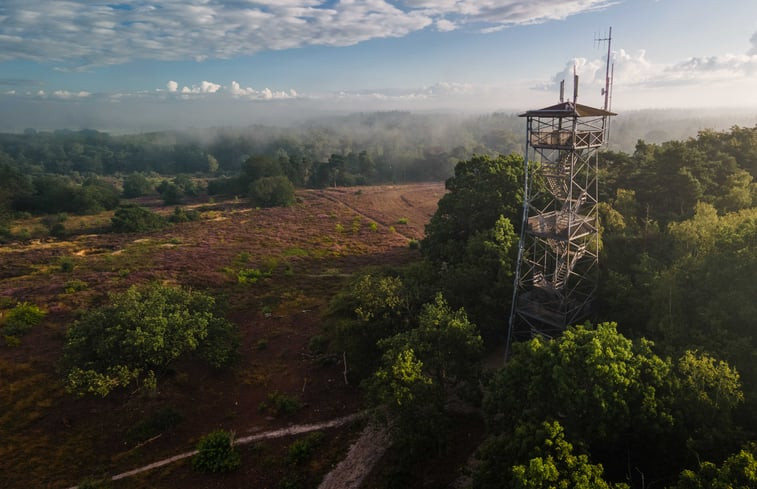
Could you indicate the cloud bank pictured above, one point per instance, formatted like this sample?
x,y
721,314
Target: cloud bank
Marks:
x,y
78,34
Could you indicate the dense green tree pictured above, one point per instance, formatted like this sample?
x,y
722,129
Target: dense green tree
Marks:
x,y
421,368
630,407
482,190
538,457
259,166
739,471
141,332
373,307
272,192
136,185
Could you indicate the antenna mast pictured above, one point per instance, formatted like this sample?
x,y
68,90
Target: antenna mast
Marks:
x,y
608,82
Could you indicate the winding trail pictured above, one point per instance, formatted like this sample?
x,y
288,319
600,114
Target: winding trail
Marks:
x,y
282,432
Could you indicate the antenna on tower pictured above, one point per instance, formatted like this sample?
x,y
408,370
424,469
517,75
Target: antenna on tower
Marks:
x,y
608,79
575,84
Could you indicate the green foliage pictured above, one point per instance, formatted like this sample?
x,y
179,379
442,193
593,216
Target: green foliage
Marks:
x,y
738,471
66,264
617,397
280,404
251,275
182,215
420,369
546,461
21,318
55,224
216,453
134,219
472,241
402,220
272,192
55,194
317,344
171,193
73,286
140,331
482,190
136,185
303,449
371,308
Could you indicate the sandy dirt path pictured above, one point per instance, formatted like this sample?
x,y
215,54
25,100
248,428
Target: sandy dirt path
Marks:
x,y
363,455
288,431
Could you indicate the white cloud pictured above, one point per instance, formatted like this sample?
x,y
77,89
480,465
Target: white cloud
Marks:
x,y
265,94
78,34
172,86
723,78
65,94
444,25
204,87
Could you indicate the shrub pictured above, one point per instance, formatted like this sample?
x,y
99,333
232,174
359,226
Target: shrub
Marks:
x,y
182,215
66,264
278,404
251,275
131,218
54,224
141,331
373,226
272,192
216,454
317,344
301,450
413,244
136,185
402,220
75,286
171,193
21,319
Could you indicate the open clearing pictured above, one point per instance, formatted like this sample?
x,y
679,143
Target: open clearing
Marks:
x,y
50,439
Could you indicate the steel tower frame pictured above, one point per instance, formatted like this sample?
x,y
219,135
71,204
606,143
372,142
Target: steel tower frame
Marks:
x,y
556,271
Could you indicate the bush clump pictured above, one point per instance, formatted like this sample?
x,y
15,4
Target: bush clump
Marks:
x,y
278,404
131,218
182,215
139,334
216,454
21,319
272,192
251,275
302,450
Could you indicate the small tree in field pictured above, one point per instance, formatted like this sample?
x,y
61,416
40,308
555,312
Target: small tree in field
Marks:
x,y
272,192
141,332
215,453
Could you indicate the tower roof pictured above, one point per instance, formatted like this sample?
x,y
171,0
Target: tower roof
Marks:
x,y
567,109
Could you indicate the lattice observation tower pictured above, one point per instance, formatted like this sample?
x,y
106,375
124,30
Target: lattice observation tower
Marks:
x,y
556,272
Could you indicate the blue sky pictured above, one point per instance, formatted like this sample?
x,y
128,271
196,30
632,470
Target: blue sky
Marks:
x,y
77,62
